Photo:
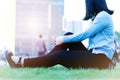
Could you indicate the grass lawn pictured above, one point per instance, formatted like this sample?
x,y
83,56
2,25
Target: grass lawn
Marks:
x,y
58,73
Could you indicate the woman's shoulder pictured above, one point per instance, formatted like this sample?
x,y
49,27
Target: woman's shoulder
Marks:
x,y
103,17
103,14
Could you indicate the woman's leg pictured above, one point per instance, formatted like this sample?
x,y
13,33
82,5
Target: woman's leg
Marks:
x,y
70,46
63,46
47,60
69,59
54,54
83,59
76,46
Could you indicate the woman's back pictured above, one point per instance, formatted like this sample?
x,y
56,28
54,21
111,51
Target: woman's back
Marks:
x,y
103,39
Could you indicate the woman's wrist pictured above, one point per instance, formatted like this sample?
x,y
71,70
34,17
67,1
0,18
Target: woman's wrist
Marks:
x,y
59,40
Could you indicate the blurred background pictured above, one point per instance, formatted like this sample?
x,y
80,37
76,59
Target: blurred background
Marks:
x,y
50,18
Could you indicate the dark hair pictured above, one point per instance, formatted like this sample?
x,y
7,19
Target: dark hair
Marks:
x,y
93,7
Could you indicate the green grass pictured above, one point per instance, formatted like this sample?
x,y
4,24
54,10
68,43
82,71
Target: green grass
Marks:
x,y
58,73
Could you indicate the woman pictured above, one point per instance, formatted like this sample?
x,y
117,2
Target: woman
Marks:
x,y
101,44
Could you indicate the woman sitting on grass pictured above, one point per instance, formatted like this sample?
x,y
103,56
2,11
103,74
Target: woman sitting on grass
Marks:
x,y
99,53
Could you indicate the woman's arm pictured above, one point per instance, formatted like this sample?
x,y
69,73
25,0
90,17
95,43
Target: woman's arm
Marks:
x,y
96,26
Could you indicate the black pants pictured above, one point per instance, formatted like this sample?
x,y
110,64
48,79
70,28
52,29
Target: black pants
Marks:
x,y
77,56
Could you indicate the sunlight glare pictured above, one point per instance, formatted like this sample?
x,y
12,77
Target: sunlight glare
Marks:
x,y
7,24
74,9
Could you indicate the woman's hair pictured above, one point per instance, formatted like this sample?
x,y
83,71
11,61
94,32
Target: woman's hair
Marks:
x,y
93,7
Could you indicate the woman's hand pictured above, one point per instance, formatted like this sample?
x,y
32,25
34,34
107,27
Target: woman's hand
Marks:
x,y
59,40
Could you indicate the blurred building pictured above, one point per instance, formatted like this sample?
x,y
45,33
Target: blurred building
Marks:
x,y
34,17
